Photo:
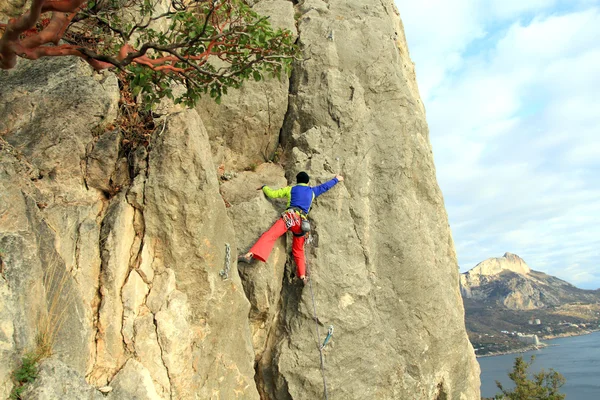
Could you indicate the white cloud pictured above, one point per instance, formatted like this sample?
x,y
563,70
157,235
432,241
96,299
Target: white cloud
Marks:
x,y
439,32
507,9
515,127
547,38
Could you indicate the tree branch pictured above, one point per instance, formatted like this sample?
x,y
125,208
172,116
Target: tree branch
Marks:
x,y
183,53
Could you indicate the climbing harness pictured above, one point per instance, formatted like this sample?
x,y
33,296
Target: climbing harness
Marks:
x,y
291,218
225,271
294,216
330,331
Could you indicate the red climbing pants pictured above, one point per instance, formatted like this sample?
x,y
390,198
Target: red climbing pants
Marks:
x,y
262,248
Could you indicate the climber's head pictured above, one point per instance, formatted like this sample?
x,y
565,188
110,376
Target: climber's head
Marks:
x,y
302,177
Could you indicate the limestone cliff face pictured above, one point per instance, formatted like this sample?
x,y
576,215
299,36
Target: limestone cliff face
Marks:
x,y
511,273
488,270
494,266
138,249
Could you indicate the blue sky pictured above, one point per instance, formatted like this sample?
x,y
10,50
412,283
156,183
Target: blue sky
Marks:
x,y
512,93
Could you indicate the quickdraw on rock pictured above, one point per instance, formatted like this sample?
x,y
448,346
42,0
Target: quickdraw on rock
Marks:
x,y
224,273
329,335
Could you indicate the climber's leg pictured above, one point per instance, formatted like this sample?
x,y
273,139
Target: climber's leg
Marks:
x,y
262,248
298,253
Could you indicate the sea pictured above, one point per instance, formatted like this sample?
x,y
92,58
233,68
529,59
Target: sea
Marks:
x,y
577,358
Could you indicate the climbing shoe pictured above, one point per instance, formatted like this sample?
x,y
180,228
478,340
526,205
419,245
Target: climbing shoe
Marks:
x,y
245,259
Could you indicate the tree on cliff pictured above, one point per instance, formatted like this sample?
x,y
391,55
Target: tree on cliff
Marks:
x,y
205,45
545,385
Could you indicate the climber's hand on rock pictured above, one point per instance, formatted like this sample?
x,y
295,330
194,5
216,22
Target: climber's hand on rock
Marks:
x,y
339,178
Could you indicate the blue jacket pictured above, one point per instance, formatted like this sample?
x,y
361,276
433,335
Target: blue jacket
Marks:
x,y
300,195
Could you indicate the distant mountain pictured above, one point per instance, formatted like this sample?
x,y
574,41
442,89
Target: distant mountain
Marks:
x,y
503,296
508,281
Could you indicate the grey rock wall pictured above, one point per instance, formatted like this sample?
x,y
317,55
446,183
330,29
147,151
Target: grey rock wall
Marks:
x,y
202,324
133,274
48,225
139,240
56,380
244,129
384,266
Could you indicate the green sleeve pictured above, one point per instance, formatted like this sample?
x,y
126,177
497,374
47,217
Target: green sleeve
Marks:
x,y
279,193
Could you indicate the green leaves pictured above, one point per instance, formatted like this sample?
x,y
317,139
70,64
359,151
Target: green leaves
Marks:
x,y
205,49
545,385
26,373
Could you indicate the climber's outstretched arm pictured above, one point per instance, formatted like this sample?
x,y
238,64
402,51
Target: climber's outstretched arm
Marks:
x,y
285,192
319,190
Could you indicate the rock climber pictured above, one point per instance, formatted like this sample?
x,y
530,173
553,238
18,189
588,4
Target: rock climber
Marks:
x,y
300,198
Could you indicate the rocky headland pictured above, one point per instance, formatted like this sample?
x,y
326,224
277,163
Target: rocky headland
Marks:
x,y
508,306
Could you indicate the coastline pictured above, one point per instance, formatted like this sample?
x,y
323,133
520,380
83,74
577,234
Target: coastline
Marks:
x,y
570,334
514,351
540,346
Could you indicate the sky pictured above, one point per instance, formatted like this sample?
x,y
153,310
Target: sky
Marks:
x,y
512,94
